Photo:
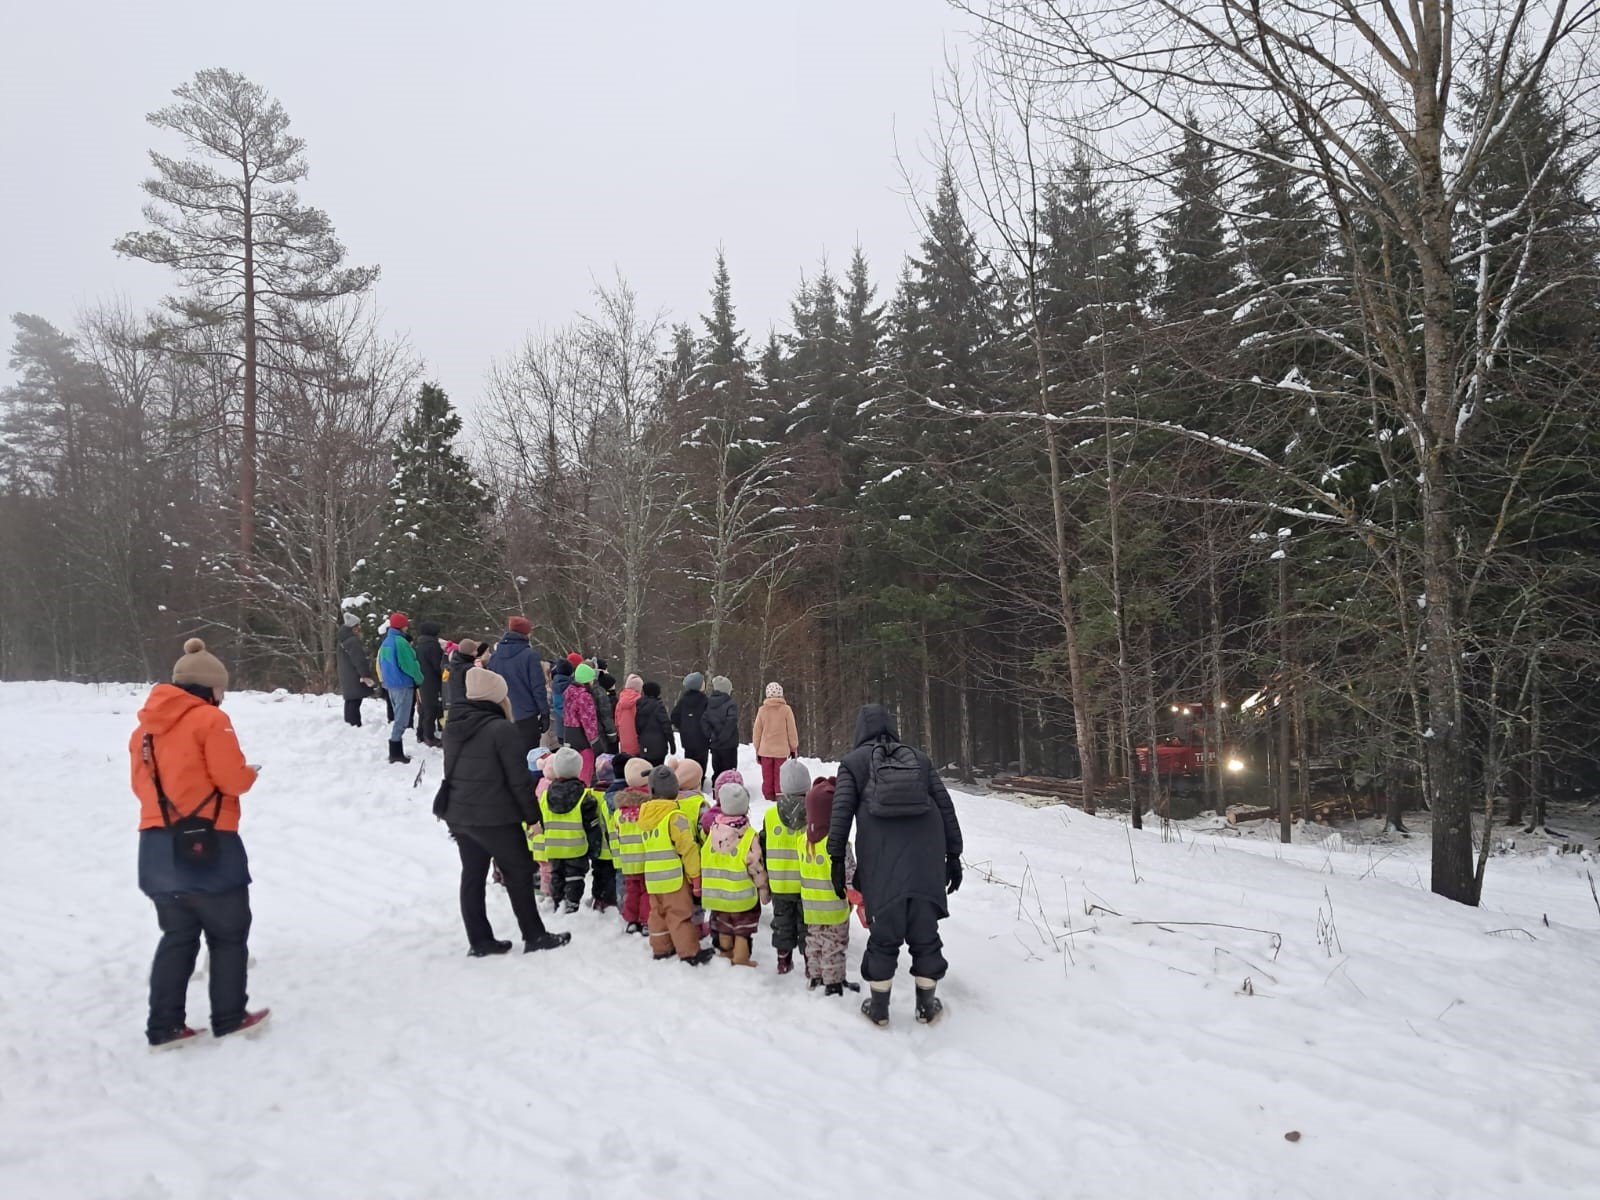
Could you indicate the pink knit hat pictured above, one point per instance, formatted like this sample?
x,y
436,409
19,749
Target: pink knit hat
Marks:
x,y
730,776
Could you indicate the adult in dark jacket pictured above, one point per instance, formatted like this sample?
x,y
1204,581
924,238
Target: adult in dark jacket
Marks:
x,y
491,795
906,865
430,657
604,688
721,725
653,725
355,669
463,658
688,718
521,666
560,680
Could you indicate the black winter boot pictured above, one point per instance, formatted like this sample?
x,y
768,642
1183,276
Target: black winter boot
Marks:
x,y
839,989
546,941
485,949
397,753
929,1006
876,1006
700,959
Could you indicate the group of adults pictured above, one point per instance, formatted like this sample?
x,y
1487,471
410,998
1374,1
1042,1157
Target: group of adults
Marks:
x,y
188,772
427,674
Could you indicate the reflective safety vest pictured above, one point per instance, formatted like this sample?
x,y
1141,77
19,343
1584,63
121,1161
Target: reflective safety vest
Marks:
x,y
783,854
628,842
690,807
663,869
563,832
536,843
819,903
603,812
725,883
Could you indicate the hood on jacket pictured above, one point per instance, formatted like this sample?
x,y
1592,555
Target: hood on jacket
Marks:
x,y
653,812
651,689
874,722
512,645
429,629
561,667
564,795
165,706
779,702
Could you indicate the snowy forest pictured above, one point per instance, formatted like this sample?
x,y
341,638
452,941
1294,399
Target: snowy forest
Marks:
x,y
1246,365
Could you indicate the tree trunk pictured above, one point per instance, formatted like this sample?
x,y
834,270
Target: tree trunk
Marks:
x,y
247,441
1285,813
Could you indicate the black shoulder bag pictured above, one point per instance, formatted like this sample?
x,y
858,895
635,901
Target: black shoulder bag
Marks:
x,y
194,838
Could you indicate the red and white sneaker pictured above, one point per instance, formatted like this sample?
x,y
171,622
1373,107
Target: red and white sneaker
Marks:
x,y
181,1038
252,1023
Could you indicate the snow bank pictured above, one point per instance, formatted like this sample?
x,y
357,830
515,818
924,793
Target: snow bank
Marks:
x,y
1127,1016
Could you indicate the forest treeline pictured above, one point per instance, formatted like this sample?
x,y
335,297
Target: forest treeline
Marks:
x,y
1285,410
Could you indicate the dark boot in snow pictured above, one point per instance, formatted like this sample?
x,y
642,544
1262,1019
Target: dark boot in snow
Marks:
x,y
635,927
485,949
178,1037
571,906
397,753
703,957
546,941
929,1006
876,1006
785,962
838,989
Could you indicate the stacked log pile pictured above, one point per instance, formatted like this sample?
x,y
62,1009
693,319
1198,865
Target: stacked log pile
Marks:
x,y
1068,791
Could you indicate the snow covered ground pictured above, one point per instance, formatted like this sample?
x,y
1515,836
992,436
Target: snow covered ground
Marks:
x,y
1127,1016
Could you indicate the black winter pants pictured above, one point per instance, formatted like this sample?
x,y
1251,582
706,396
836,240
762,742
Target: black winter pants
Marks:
x,y
532,731
507,847
566,879
913,923
352,713
605,881
723,760
224,919
701,755
788,929
427,715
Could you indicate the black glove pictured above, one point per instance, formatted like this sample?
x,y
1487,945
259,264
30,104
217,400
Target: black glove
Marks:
x,y
544,723
952,873
838,877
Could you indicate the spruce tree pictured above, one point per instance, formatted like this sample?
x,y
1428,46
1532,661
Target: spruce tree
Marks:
x,y
435,558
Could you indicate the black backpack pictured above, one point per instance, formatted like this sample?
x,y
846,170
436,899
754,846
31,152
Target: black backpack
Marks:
x,y
897,783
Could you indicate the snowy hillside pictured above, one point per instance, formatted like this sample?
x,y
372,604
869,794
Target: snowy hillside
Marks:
x,y
1127,1016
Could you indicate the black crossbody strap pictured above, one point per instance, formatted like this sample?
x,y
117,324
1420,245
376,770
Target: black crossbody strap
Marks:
x,y
161,795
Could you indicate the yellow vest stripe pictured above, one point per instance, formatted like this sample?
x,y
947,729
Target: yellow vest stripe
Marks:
x,y
783,854
819,903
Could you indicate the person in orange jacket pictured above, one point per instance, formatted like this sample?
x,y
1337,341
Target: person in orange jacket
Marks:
x,y
188,772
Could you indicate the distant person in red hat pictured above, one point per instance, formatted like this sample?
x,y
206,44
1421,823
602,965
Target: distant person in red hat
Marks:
x,y
401,675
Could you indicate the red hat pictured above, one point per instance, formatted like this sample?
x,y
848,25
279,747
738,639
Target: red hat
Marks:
x,y
398,620
519,625
574,658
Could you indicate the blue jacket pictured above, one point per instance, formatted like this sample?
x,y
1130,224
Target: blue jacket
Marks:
x,y
515,661
397,662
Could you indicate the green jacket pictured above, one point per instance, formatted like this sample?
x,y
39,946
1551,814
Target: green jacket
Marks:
x,y
397,662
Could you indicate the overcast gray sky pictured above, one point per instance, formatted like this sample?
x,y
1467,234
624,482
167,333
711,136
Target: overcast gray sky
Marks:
x,y
493,158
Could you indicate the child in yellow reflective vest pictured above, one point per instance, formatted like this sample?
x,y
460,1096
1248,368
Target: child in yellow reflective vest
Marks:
x,y
630,843
602,851
568,819
671,871
691,778
733,879
827,917
542,763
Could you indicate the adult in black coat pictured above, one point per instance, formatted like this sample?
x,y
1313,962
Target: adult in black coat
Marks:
x,y
355,669
463,658
653,725
688,718
905,867
430,657
491,794
721,725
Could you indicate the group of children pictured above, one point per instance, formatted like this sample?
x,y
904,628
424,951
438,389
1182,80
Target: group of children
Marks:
x,y
681,869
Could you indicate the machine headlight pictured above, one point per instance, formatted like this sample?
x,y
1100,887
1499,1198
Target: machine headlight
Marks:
x,y
1236,765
